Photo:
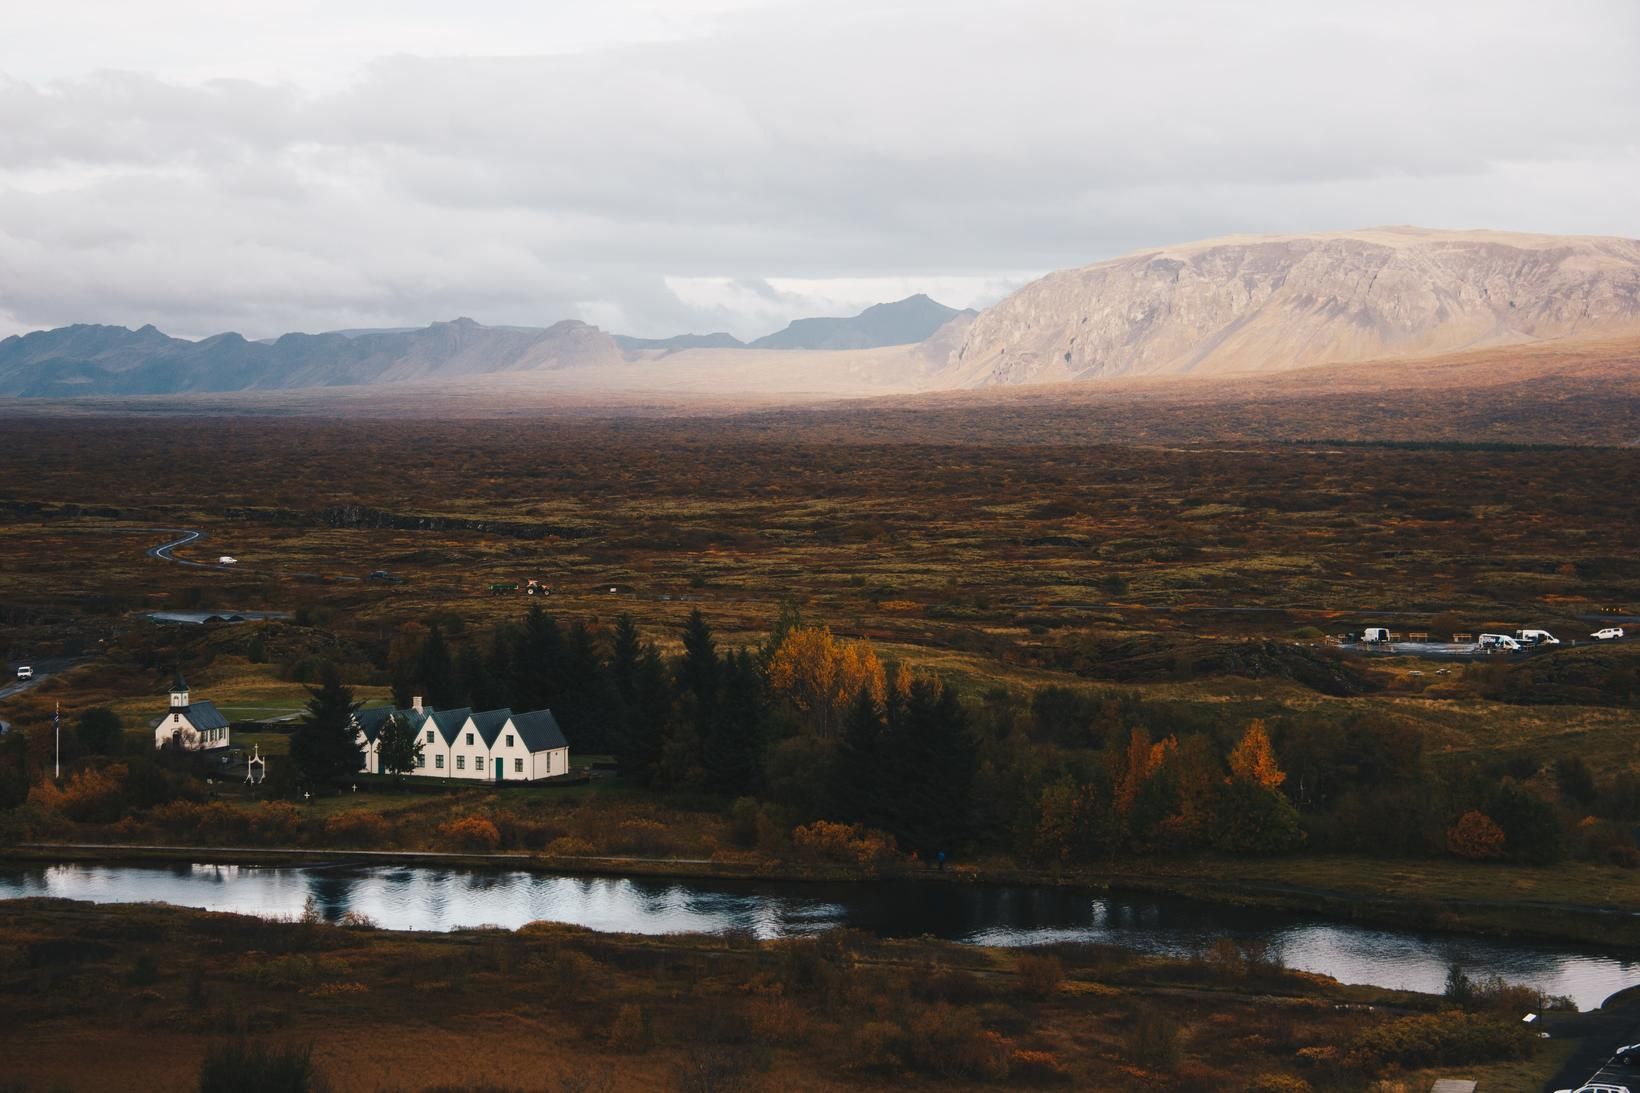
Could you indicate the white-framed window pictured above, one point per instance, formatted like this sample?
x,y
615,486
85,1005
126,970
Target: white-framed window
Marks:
x,y
469,740
461,762
438,762
429,736
509,740
518,766
421,761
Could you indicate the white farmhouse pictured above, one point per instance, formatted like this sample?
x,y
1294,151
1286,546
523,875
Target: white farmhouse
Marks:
x,y
190,726
489,746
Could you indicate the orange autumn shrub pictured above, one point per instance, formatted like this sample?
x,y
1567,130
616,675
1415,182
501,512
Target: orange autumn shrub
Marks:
x,y
473,833
1475,837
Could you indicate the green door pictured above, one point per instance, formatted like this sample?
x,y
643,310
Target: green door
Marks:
x,y
499,767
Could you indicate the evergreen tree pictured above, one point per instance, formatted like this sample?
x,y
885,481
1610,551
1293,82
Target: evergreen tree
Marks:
x,y
732,751
698,668
854,795
537,662
435,672
474,682
626,650
100,730
927,769
587,704
647,720
498,664
324,745
398,747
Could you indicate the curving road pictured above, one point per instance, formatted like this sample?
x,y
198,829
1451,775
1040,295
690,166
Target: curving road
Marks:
x,y
188,536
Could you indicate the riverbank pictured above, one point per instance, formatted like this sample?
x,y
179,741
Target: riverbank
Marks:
x,y
549,1006
1494,901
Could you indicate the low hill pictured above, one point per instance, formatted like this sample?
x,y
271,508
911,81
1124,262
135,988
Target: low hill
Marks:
x,y
1273,303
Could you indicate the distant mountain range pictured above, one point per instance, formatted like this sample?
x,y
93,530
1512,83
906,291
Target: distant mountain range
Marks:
x,y
1247,304
112,360
903,322
86,360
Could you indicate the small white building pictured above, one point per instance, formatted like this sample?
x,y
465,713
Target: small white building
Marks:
x,y
489,746
190,726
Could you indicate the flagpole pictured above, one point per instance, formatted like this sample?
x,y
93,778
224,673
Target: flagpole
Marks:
x,y
57,729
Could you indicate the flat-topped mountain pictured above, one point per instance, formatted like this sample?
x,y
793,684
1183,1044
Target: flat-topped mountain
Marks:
x,y
1278,302
112,360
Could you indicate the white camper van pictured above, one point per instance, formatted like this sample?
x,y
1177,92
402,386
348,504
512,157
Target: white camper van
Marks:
x,y
1536,637
1375,634
1498,643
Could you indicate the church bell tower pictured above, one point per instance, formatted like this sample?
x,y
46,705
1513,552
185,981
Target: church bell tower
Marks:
x,y
179,694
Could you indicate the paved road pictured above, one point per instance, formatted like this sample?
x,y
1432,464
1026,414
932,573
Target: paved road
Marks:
x,y
1600,1033
44,669
187,537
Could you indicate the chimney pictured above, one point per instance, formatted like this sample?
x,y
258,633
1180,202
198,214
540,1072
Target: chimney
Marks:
x,y
415,703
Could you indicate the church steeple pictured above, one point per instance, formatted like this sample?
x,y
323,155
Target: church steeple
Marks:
x,y
179,693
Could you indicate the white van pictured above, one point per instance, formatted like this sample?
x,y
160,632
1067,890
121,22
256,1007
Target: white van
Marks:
x,y
1536,637
1375,634
24,672
1495,642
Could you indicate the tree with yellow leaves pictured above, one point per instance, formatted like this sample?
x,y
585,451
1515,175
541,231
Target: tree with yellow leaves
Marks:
x,y
821,675
1253,815
1255,760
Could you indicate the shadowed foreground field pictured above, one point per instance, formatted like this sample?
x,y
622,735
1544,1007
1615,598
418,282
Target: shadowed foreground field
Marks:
x,y
554,1008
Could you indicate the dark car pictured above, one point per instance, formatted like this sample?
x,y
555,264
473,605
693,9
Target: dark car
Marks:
x,y
384,577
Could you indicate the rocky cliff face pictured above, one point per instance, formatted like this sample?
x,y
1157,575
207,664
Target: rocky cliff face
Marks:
x,y
1271,303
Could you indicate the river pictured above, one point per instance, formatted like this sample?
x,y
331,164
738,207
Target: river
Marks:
x,y
419,898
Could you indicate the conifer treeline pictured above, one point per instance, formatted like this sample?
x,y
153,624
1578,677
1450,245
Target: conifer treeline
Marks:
x,y
710,719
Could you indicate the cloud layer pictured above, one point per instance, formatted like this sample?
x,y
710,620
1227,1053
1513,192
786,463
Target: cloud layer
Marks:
x,y
731,167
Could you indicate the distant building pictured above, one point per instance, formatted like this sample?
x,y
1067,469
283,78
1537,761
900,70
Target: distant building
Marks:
x,y
190,726
490,746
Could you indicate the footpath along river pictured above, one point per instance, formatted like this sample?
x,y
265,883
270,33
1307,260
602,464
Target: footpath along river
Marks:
x,y
426,898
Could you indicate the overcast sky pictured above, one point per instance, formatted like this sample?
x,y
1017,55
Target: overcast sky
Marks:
x,y
656,166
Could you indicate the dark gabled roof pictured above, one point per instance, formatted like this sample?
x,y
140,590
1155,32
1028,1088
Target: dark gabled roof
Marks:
x,y
449,722
539,730
488,724
370,721
179,684
205,715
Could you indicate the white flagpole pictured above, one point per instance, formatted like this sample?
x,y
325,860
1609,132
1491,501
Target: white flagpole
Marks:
x,y
57,729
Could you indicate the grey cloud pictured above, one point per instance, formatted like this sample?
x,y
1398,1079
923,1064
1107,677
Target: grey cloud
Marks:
x,y
814,142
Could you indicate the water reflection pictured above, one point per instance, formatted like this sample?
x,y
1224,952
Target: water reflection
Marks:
x,y
407,898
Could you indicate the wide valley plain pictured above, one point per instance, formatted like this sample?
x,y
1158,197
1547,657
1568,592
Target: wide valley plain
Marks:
x,y
1097,580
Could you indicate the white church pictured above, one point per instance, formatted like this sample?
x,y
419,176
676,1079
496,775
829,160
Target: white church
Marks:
x,y
190,726
488,746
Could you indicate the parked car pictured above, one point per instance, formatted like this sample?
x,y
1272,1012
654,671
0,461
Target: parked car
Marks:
x,y
1597,1087
1610,633
25,672
227,559
1628,1055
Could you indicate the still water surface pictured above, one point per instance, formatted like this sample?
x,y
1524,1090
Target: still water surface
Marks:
x,y
413,898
